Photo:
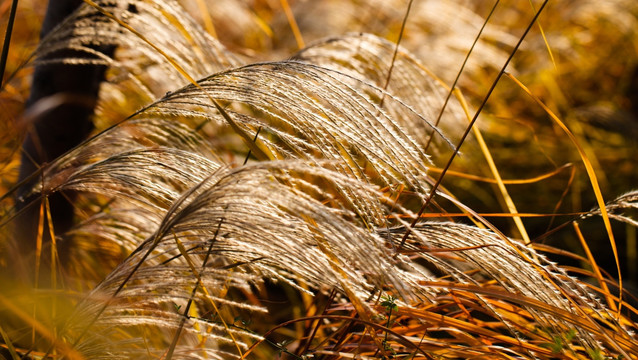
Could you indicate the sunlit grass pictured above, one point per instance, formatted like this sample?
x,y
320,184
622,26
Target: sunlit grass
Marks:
x,y
228,207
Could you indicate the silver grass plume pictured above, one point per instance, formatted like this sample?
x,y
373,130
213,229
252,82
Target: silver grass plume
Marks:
x,y
369,57
448,29
261,221
310,214
516,268
163,23
440,32
255,223
627,202
138,69
310,112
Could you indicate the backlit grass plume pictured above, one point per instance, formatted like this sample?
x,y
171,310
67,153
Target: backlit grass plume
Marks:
x,y
265,210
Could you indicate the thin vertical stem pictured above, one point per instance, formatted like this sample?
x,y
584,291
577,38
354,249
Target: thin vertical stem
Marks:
x,y
7,40
396,51
469,128
458,75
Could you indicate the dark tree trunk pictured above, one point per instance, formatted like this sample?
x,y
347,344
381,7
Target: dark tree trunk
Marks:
x,y
56,129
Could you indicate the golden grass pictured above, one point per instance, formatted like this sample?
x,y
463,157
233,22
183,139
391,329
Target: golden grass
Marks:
x,y
315,207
